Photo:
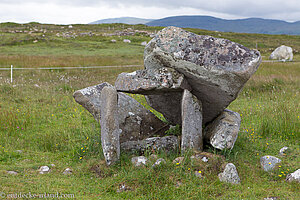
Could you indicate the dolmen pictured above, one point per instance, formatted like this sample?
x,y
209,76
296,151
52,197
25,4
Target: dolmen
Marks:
x,y
191,79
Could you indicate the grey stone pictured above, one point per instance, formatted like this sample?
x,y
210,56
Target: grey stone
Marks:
x,y
44,170
283,150
110,131
269,162
191,123
136,122
139,161
215,68
156,81
168,104
159,162
223,131
230,174
12,172
167,143
282,53
295,176
144,43
19,151
68,171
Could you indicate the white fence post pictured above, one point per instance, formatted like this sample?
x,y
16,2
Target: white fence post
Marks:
x,y
11,73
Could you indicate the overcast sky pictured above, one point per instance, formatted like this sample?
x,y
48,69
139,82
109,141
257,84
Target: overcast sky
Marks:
x,y
85,11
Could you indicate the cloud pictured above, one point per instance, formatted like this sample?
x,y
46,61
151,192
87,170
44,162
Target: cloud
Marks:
x,y
84,11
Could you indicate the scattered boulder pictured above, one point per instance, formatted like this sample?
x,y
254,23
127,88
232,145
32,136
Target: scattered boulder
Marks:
x,y
167,143
283,150
178,160
135,121
215,68
268,163
159,162
191,123
113,41
282,53
139,161
12,172
110,131
295,176
157,81
19,151
230,174
223,131
144,43
44,170
126,41
68,171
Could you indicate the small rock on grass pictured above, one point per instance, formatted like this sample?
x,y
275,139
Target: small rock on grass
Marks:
x,y
269,162
159,162
123,187
68,171
230,174
44,170
283,151
19,151
295,176
139,161
12,172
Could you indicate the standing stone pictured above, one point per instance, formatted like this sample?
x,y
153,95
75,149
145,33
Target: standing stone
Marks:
x,y
230,174
191,123
282,53
136,122
215,68
223,131
268,163
110,131
295,176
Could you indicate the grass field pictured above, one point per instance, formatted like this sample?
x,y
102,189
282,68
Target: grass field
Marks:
x,y
39,116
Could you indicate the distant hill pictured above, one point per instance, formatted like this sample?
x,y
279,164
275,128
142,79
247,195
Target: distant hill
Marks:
x,y
124,20
250,25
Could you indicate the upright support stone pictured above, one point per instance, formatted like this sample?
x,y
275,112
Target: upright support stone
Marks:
x,y
110,131
223,131
191,123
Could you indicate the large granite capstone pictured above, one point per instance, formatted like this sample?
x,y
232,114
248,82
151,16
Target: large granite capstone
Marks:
x,y
215,68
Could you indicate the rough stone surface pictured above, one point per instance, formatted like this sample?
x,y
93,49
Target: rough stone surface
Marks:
x,y
156,81
139,161
167,143
295,176
283,150
44,170
68,171
230,174
135,121
12,172
110,131
191,110
215,68
159,162
269,162
282,53
223,131
168,104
